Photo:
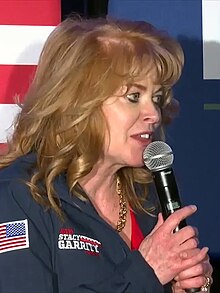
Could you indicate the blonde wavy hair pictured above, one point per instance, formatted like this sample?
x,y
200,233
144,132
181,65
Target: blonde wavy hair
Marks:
x,y
82,63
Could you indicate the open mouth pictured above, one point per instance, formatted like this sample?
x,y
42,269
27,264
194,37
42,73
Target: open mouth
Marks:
x,y
145,135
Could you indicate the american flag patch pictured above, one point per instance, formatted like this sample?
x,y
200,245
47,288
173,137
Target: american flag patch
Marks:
x,y
14,236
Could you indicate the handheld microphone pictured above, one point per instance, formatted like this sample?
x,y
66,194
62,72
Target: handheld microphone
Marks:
x,y
158,158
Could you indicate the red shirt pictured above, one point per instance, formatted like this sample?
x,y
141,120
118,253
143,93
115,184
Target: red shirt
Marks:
x,y
136,235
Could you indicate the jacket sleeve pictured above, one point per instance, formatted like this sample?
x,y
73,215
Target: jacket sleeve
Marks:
x,y
28,269
129,276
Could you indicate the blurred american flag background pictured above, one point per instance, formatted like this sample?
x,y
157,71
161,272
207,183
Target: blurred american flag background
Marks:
x,y
24,27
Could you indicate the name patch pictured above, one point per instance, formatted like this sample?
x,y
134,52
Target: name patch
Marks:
x,y
68,240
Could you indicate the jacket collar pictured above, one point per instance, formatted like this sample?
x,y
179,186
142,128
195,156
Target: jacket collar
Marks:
x,y
146,222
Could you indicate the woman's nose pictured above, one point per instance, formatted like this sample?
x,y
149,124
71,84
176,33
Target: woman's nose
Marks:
x,y
152,113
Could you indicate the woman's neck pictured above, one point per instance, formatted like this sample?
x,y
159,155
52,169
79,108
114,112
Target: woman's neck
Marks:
x,y
100,186
100,183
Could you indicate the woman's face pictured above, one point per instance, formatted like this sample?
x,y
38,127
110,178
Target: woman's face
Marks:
x,y
132,119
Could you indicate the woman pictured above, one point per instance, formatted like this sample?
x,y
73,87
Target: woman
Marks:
x,y
76,211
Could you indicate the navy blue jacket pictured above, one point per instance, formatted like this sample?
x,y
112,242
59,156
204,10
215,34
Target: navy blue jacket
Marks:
x,y
83,254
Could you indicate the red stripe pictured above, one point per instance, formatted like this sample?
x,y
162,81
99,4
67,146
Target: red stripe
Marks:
x,y
14,79
89,241
92,253
2,230
34,12
3,148
6,242
13,246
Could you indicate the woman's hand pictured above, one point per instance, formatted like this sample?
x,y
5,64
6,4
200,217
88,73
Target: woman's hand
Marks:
x,y
163,250
194,277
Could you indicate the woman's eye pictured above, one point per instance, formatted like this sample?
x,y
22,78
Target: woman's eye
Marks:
x,y
157,99
133,97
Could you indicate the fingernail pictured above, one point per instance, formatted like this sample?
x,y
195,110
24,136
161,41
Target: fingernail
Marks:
x,y
206,248
193,207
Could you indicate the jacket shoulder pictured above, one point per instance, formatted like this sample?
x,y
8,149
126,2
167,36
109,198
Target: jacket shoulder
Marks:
x,y
16,201
20,169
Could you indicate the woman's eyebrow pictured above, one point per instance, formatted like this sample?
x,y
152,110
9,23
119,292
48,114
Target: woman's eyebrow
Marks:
x,y
144,88
139,86
159,90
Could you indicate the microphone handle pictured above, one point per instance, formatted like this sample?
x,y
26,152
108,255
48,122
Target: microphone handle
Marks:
x,y
169,198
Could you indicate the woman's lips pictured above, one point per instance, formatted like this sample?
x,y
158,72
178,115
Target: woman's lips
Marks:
x,y
143,137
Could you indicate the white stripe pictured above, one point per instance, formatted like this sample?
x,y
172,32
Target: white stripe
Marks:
x,y
211,20
8,113
211,38
22,44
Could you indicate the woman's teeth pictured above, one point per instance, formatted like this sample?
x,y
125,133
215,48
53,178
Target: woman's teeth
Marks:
x,y
146,135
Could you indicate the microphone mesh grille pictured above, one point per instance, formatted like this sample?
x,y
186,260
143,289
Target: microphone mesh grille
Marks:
x,y
158,156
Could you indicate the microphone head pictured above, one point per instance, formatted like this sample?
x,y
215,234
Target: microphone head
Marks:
x,y
158,156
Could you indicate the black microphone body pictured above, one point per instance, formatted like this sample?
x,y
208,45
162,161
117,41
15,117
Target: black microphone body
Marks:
x,y
168,193
158,157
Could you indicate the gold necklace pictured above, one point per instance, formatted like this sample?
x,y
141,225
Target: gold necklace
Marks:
x,y
122,207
